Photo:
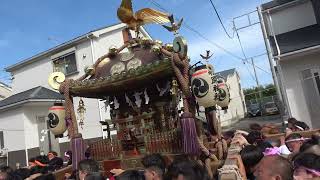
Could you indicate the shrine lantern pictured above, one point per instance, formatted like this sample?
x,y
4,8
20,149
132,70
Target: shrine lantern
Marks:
x,y
56,119
223,97
202,87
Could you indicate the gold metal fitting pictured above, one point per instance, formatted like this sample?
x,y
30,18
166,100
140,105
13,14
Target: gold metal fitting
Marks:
x,y
89,70
168,47
113,49
156,48
158,42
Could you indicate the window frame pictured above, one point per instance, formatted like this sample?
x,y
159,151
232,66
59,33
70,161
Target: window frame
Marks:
x,y
312,70
61,57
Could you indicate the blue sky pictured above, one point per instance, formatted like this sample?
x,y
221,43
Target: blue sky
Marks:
x,y
30,27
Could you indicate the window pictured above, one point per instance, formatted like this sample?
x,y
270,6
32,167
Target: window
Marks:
x,y
1,140
66,64
316,7
311,79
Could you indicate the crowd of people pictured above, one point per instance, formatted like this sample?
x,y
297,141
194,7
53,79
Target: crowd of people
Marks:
x,y
38,168
293,157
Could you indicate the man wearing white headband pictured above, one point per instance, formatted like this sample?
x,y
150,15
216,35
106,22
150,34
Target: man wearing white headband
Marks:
x,y
294,142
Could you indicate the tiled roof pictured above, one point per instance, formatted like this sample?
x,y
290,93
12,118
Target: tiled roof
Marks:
x,y
226,73
36,93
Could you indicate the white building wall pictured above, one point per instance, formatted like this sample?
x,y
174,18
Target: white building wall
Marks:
x,y
12,125
235,110
31,123
32,75
291,68
292,18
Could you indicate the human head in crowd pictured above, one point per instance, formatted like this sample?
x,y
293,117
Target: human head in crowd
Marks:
x,y
155,166
306,166
186,170
251,155
228,135
94,176
52,154
274,168
294,142
131,175
296,125
45,177
86,167
23,172
31,162
255,127
311,145
291,122
301,126
3,176
55,162
6,169
264,145
255,137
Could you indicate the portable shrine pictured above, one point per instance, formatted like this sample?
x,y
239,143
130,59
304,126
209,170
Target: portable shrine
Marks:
x,y
143,82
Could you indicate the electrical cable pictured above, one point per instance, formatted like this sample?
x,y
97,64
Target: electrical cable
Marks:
x,y
185,25
245,57
224,28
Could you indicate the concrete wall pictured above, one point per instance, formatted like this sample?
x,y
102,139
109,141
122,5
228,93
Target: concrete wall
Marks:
x,y
292,18
291,69
236,109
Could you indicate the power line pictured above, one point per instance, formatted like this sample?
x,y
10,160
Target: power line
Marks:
x,y
208,40
199,34
224,28
244,54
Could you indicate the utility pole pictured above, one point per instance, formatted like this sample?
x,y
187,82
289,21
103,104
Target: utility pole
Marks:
x,y
255,73
257,81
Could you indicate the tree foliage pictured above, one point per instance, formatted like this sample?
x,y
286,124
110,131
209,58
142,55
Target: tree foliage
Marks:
x,y
266,91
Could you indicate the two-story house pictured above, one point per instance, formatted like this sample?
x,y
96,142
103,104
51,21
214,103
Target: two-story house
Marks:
x,y
291,30
24,113
237,107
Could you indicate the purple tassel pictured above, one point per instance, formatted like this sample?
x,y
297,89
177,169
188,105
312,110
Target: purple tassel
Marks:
x,y
78,149
189,131
68,121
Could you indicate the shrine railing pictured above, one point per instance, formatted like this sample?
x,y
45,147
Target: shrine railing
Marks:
x,y
164,142
105,149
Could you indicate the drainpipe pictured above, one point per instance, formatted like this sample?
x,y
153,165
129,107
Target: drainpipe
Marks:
x,y
93,61
27,157
282,88
269,52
